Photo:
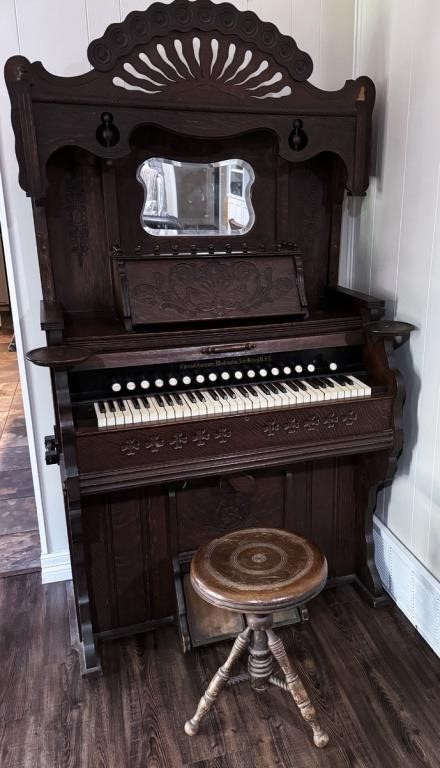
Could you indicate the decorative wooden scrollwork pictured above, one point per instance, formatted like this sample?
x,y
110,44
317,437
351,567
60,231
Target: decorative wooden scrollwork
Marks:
x,y
165,24
174,64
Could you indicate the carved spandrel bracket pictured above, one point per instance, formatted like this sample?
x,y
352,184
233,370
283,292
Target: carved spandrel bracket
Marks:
x,y
390,330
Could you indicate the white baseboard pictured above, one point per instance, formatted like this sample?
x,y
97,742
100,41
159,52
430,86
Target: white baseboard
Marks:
x,y
55,567
409,583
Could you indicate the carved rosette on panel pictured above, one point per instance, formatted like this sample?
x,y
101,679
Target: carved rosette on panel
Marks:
x,y
311,422
232,512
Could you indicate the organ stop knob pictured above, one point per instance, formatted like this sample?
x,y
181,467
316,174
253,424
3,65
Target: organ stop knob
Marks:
x,y
333,366
310,367
145,384
200,379
131,385
186,380
298,368
116,387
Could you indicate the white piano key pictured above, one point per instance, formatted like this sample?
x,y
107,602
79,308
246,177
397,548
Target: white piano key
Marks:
x,y
342,388
214,406
316,394
145,411
153,412
336,392
363,389
163,411
102,421
119,415
135,412
202,402
233,404
109,415
290,395
181,410
244,403
260,402
191,405
282,397
128,416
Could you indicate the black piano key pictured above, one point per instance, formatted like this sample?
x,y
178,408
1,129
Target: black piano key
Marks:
x,y
214,394
178,399
135,403
301,385
191,398
294,386
343,379
145,402
264,389
168,400
281,387
121,405
230,393
159,401
272,388
223,394
111,406
252,391
200,396
101,407
243,391
328,383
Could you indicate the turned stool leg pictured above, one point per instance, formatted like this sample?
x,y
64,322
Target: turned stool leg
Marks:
x,y
296,688
217,683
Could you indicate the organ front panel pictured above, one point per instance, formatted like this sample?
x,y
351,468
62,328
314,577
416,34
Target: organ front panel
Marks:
x,y
208,372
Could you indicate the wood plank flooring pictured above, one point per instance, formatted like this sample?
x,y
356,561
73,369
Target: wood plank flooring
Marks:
x,y
374,682
19,539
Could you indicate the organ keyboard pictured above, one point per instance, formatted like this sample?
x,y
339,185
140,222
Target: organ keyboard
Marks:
x,y
196,404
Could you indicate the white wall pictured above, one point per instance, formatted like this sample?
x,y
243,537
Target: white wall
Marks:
x,y
398,44
58,33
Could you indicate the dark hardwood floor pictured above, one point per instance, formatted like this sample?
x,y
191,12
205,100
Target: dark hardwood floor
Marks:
x,y
375,683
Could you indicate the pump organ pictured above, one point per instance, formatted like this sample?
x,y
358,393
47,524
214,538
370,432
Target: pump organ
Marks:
x,y
207,371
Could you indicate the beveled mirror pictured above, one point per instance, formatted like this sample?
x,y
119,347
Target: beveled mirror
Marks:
x,y
184,198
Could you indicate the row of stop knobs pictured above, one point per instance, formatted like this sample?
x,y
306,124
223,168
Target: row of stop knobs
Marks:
x,y
223,376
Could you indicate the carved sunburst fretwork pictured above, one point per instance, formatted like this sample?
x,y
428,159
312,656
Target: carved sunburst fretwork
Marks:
x,y
175,64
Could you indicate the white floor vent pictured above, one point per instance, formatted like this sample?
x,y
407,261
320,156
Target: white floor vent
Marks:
x,y
409,583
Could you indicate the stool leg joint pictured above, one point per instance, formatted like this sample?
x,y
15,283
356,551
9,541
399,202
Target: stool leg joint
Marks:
x,y
217,683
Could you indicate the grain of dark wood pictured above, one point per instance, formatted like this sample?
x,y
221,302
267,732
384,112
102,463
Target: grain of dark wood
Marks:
x,y
374,681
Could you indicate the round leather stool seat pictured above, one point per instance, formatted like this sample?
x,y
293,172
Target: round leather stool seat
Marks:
x,y
258,570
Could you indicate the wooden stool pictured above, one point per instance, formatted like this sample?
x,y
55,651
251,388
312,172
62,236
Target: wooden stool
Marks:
x,y
256,572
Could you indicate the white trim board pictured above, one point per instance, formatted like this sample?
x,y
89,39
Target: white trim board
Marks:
x,y
55,567
412,587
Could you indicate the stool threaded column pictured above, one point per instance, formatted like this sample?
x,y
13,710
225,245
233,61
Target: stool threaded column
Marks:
x,y
217,683
260,662
297,689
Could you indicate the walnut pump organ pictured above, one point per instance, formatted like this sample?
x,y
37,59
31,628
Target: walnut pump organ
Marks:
x,y
207,371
